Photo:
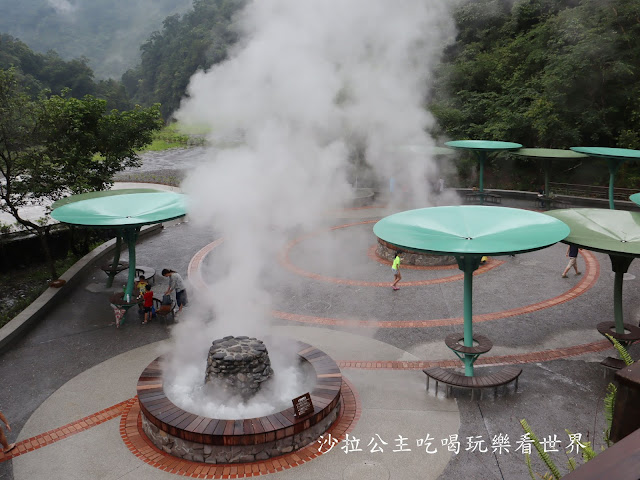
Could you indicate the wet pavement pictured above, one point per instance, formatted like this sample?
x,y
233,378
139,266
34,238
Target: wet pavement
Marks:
x,y
532,315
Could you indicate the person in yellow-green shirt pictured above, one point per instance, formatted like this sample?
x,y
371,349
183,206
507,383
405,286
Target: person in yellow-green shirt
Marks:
x,y
395,268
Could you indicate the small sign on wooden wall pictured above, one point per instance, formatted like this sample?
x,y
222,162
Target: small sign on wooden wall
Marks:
x,y
302,405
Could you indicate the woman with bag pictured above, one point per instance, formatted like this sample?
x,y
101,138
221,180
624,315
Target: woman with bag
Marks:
x,y
176,284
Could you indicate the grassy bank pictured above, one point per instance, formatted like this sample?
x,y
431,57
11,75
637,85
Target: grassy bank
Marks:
x,y
20,287
169,137
175,136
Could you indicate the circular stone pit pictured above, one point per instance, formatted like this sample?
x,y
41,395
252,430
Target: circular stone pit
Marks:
x,y
388,251
201,439
238,365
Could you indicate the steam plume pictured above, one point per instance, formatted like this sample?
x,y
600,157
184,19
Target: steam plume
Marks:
x,y
309,80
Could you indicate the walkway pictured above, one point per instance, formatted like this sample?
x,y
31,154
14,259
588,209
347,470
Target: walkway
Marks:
x,y
69,386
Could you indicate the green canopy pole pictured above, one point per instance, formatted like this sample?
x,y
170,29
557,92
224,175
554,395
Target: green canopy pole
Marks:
x,y
116,259
614,165
468,233
620,265
131,236
546,166
468,264
617,302
482,157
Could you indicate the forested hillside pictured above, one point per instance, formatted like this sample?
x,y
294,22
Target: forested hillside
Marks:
x,y
107,32
545,73
195,40
37,72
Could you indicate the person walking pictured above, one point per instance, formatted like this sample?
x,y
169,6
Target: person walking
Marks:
x,y
572,253
6,446
176,284
395,268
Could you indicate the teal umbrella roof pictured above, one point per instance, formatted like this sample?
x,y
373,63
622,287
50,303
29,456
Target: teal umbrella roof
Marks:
x,y
481,230
549,153
635,198
123,210
602,230
482,145
101,193
608,152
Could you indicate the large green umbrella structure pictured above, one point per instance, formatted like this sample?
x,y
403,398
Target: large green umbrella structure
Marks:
x,y
468,233
615,157
616,233
481,148
127,213
116,266
101,193
547,155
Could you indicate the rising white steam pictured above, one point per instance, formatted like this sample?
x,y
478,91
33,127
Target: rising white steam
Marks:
x,y
62,6
309,80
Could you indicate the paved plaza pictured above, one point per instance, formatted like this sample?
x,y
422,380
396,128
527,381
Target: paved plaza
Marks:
x,y
69,385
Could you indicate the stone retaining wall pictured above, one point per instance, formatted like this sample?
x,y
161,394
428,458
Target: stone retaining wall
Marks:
x,y
388,252
199,452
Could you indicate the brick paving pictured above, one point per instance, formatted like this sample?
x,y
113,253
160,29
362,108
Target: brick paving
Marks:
x,y
530,357
129,410
286,263
57,434
137,442
587,281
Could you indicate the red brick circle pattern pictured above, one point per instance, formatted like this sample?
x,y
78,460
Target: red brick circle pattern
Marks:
x,y
286,263
137,442
587,281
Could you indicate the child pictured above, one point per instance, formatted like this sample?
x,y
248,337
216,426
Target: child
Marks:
x,y
140,286
147,304
395,268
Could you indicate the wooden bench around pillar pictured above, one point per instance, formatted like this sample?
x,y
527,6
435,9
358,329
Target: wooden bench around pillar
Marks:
x,y
478,382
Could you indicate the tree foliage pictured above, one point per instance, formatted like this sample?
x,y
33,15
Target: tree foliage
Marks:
x,y
107,32
544,73
56,145
187,43
37,72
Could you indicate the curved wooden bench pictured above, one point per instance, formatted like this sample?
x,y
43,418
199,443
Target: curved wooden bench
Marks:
x,y
612,363
148,272
109,270
624,338
165,311
455,379
453,341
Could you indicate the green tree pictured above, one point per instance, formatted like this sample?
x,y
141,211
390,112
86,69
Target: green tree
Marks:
x,y
105,31
544,73
188,43
50,147
37,72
